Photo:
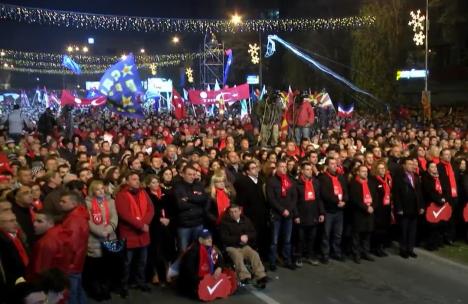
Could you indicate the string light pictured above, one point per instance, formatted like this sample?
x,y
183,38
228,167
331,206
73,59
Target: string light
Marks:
x,y
417,23
149,24
88,59
254,50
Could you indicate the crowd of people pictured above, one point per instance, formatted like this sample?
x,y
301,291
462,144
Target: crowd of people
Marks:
x,y
95,204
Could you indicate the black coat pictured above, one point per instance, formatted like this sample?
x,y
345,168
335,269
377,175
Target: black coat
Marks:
x,y
407,199
163,237
11,261
252,199
330,200
445,182
278,203
382,213
23,217
231,231
362,221
429,192
309,211
191,203
212,209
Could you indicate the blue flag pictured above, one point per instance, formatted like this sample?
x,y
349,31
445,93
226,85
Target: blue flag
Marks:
x,y
71,65
122,86
93,93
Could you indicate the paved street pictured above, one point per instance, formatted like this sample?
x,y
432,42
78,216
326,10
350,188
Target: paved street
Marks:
x,y
391,280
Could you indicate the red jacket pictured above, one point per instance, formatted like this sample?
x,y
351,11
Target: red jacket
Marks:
x,y
303,115
48,251
130,228
76,225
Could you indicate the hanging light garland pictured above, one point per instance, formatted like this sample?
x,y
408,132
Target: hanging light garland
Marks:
x,y
54,68
88,59
150,24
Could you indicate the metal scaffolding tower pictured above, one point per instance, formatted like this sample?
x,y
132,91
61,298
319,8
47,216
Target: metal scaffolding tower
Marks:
x,y
212,61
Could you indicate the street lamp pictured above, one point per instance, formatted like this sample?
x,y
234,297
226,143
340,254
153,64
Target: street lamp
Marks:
x,y
70,49
85,49
142,51
175,40
236,19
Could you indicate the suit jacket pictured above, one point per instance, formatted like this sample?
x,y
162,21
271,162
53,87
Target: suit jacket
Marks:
x,y
13,267
407,199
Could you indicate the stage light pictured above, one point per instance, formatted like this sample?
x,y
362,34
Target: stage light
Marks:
x,y
90,40
175,40
37,79
142,51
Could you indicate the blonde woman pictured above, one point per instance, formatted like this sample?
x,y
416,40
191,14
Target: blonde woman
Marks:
x,y
222,193
102,225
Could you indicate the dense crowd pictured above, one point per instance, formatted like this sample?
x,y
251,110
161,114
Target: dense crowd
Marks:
x,y
94,203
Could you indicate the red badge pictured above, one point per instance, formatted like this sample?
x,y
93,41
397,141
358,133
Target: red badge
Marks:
x,y
210,288
435,213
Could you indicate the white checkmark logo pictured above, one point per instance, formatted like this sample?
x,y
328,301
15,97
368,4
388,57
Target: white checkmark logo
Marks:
x,y
211,290
436,214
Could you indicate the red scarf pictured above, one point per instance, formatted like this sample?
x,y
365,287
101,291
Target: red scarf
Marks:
x,y
139,206
423,163
436,160
386,182
285,184
19,246
366,195
222,202
207,260
339,170
437,185
96,213
337,189
451,176
309,191
157,193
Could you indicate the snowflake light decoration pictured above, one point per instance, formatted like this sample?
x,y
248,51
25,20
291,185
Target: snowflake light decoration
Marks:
x,y
254,50
417,22
189,73
419,38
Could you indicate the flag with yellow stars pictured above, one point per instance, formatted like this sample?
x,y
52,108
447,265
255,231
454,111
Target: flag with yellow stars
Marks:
x,y
122,86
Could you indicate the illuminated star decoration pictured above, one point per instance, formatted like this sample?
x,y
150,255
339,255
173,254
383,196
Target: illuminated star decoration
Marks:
x,y
189,73
417,22
254,50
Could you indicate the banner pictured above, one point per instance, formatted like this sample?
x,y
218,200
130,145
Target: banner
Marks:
x,y
229,95
68,99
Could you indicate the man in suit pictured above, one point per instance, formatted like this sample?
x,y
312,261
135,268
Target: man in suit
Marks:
x,y
408,205
282,196
334,193
448,181
251,197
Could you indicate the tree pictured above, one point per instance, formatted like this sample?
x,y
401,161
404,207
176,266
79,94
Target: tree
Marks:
x,y
378,51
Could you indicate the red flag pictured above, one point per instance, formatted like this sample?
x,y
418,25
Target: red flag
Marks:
x,y
68,99
178,104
